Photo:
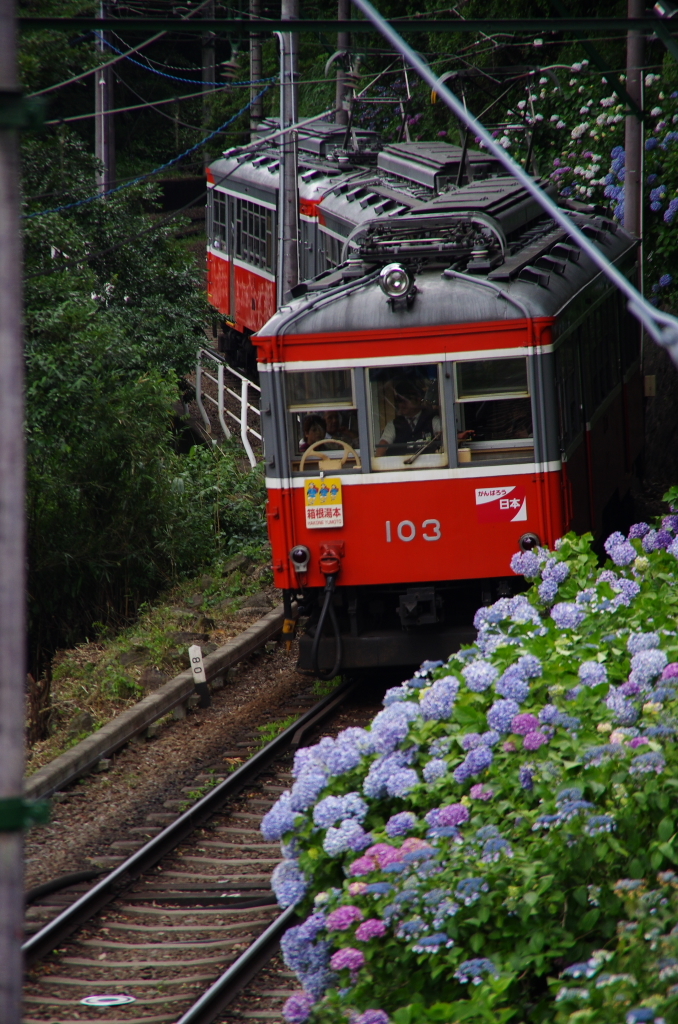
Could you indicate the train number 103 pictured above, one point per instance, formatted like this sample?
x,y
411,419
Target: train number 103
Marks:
x,y
406,530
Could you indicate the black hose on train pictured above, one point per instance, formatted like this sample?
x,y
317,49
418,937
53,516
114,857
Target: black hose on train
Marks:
x,y
330,582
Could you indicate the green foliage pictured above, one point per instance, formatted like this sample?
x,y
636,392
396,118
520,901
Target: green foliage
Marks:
x,y
566,804
270,730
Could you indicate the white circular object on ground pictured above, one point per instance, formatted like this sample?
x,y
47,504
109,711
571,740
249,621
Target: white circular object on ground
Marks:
x,y
104,1001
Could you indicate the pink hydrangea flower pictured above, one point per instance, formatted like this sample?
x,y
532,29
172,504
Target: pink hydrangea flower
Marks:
x,y
522,724
453,814
342,918
349,957
372,928
479,792
509,747
638,741
411,844
357,888
534,740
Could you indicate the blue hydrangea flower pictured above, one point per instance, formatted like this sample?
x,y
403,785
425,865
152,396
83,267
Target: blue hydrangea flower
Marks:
x,y
473,971
555,571
476,761
525,563
469,890
307,788
592,673
526,776
627,589
479,675
432,943
438,702
501,714
622,554
288,883
335,808
401,782
638,531
599,823
512,686
642,642
400,824
349,836
440,746
279,820
494,849
646,665
391,726
567,615
381,771
645,763
435,769
548,591
624,711
529,665
595,756
566,795
471,740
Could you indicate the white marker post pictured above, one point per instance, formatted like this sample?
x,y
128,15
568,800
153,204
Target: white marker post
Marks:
x,y
199,676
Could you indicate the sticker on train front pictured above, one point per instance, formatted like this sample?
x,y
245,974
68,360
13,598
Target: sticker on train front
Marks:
x,y
501,504
324,505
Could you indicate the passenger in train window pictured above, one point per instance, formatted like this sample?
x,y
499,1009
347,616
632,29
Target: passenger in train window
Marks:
x,y
315,429
503,420
337,429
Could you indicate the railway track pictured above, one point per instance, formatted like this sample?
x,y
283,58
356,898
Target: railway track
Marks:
x,y
187,918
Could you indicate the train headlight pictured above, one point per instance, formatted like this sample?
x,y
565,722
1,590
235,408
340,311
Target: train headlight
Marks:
x,y
395,280
529,541
300,556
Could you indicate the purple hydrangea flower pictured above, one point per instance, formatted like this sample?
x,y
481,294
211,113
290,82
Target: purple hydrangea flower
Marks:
x,y
438,702
548,591
638,531
451,814
671,671
479,675
592,673
279,820
381,771
435,769
307,788
627,589
349,958
607,576
481,792
642,642
645,763
522,724
625,713
400,824
373,1016
629,689
670,523
372,928
526,776
471,740
534,740
298,1008
673,548
288,883
525,563
341,919
567,615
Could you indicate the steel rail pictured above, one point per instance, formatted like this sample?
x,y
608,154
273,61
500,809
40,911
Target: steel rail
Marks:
x,y
662,327
49,937
244,26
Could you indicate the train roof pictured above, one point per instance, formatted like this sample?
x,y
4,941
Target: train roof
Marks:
x,y
460,265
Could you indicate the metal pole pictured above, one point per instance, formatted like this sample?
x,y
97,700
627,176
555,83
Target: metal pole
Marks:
x,y
633,141
12,539
343,43
289,202
661,326
208,67
104,125
256,72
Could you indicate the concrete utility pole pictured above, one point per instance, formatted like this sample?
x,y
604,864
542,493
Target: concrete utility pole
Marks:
x,y
104,125
288,205
343,43
256,71
12,542
633,141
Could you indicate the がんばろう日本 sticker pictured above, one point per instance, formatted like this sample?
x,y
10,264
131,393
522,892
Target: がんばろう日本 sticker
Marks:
x,y
324,506
501,504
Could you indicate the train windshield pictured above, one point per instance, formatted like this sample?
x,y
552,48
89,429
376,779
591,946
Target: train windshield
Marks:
x,y
494,411
323,419
407,420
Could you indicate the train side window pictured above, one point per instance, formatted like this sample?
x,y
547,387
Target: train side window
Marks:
x,y
407,420
321,407
494,411
568,388
218,203
254,236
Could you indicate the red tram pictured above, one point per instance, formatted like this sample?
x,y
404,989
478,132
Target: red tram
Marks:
x,y
462,383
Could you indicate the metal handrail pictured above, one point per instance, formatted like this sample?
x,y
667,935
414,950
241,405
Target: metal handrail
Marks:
x,y
223,389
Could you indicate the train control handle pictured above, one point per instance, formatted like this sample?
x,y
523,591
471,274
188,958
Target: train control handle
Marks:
x,y
326,463
330,566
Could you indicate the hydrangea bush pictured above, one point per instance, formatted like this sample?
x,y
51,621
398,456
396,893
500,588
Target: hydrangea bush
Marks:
x,y
469,844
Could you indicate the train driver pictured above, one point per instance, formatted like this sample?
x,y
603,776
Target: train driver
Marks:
x,y
415,420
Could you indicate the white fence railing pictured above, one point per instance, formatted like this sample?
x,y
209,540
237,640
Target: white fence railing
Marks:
x,y
228,382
